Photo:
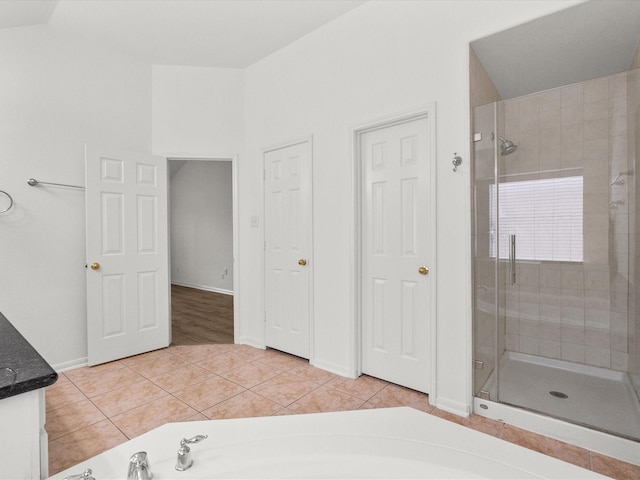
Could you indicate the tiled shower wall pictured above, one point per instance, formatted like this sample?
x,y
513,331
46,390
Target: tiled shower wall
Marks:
x,y
575,311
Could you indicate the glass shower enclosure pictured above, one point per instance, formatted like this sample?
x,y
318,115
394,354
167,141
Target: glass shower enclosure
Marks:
x,y
555,247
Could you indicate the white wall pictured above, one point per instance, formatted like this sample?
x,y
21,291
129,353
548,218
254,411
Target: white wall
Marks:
x,y
380,59
56,94
201,213
197,111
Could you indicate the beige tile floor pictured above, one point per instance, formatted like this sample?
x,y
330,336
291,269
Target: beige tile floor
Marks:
x,y
92,409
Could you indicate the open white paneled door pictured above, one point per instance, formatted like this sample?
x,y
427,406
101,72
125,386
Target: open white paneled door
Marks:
x,y
127,254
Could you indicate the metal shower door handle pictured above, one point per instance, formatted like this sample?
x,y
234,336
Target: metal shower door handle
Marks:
x,y
512,259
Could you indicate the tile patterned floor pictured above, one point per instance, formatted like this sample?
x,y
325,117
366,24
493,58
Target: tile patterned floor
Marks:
x,y
90,410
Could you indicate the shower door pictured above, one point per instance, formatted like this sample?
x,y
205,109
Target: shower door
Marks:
x,y
486,270
529,253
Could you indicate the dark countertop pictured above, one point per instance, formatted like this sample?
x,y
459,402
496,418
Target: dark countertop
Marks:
x,y
31,370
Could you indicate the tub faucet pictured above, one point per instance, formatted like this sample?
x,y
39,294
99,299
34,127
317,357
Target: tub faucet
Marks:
x,y
185,461
139,468
86,475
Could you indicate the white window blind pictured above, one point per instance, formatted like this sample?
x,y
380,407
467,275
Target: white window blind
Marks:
x,y
546,215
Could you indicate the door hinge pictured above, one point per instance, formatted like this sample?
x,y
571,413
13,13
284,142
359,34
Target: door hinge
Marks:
x,y
478,365
477,137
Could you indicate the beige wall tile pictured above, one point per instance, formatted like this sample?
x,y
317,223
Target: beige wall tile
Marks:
x,y
550,100
572,114
596,109
617,85
573,352
595,90
597,356
572,95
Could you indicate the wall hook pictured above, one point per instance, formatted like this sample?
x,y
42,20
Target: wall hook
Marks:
x,y
456,162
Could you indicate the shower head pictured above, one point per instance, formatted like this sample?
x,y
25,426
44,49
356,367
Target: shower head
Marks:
x,y
507,147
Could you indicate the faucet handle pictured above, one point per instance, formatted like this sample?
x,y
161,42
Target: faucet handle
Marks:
x,y
196,439
185,461
86,475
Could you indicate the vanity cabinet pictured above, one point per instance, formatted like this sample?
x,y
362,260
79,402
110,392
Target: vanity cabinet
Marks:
x,y
23,376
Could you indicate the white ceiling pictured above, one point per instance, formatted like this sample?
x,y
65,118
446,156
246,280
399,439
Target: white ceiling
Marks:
x,y
215,33
584,42
587,41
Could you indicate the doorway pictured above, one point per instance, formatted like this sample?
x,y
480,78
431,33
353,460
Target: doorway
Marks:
x,y
395,164
202,245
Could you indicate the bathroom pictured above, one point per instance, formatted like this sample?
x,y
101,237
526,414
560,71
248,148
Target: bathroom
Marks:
x,y
320,85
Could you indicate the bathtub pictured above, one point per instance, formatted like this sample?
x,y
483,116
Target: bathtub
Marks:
x,y
378,443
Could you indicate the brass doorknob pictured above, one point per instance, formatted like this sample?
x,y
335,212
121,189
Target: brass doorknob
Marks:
x,y
423,270
302,262
95,266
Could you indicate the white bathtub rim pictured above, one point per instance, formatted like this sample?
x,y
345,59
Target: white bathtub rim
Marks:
x,y
400,422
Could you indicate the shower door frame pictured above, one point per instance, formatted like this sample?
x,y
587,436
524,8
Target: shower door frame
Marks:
x,y
496,266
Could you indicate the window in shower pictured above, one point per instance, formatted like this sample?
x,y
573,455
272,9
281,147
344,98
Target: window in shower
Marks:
x,y
546,215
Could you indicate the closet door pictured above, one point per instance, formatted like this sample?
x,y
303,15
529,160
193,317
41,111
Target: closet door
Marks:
x,y
397,251
288,262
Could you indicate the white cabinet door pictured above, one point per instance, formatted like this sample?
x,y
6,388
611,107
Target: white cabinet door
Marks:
x,y
288,262
396,291
127,254
23,453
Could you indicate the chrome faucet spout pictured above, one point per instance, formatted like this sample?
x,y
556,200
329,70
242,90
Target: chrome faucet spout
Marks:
x,y
139,468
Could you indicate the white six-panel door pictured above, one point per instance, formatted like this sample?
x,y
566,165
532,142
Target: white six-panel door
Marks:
x,y
287,221
127,254
396,253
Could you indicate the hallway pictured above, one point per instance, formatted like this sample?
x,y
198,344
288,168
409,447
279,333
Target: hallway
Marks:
x,y
200,316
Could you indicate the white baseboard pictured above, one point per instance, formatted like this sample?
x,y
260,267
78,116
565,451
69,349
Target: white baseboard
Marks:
x,y
457,408
70,365
203,287
252,342
333,368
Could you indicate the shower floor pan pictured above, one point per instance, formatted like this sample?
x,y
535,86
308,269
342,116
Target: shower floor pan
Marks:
x,y
589,396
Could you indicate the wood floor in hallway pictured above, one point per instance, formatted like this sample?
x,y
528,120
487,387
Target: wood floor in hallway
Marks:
x,y
200,317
